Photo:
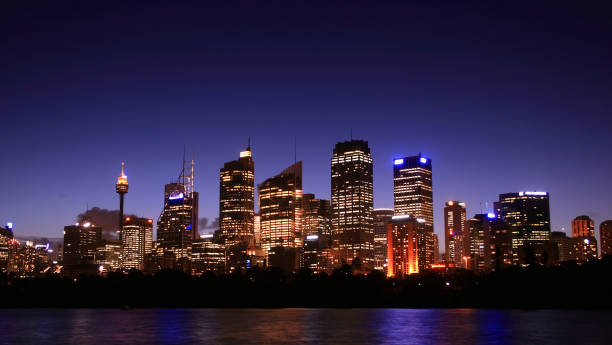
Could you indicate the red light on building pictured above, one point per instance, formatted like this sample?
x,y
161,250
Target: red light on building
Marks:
x,y
438,266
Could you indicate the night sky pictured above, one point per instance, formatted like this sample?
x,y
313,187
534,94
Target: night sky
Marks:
x,y
502,98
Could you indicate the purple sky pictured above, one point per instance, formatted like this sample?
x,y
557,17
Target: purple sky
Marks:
x,y
503,99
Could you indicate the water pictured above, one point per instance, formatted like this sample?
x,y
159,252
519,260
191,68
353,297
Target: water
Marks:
x,y
303,326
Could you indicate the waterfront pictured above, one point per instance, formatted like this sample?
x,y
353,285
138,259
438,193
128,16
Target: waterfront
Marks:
x,y
303,326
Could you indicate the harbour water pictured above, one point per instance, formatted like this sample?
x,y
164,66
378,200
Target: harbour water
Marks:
x,y
304,326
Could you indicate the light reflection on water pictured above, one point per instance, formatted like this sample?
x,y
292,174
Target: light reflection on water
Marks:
x,y
303,326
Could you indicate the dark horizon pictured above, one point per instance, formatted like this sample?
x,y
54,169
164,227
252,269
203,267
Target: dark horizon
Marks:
x,y
501,97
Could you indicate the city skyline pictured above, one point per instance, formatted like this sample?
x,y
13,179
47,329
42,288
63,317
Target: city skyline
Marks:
x,y
509,108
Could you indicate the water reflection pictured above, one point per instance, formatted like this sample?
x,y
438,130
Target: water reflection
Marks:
x,y
303,326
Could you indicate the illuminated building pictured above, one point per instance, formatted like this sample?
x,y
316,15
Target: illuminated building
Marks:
x,y
136,242
412,188
177,225
257,230
207,256
80,244
583,226
6,237
121,187
317,216
237,200
454,232
501,243
527,215
280,211
562,246
402,245
478,242
317,254
382,216
605,236
352,203
108,256
436,248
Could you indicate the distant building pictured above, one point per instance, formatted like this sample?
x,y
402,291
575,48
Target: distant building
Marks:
x,y
352,204
281,214
454,232
583,226
478,246
412,188
237,206
402,246
317,216
207,256
80,245
177,226
605,235
137,242
584,249
382,216
527,215
562,247
108,256
6,237
317,254
501,243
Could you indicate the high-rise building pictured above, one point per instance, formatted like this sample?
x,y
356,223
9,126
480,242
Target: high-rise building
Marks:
x,y
121,187
454,232
583,226
136,242
108,256
317,216
382,216
562,246
208,255
412,188
527,215
501,243
478,242
605,236
80,244
402,245
317,254
6,237
281,214
237,200
177,226
352,203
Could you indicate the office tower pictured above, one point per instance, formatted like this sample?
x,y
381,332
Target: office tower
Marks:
x,y
136,242
237,200
562,246
605,236
80,244
280,211
207,255
583,226
121,187
454,232
257,230
436,248
317,253
177,226
382,216
6,237
501,243
317,216
352,204
108,256
527,215
478,242
412,188
402,245
584,249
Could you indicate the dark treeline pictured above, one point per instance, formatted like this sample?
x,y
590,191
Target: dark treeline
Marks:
x,y
566,286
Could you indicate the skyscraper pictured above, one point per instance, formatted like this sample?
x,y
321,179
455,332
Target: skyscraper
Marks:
x,y
501,243
412,188
137,242
583,226
352,203
177,225
6,237
527,215
237,200
280,211
478,242
454,232
80,244
207,256
317,216
382,216
402,245
605,236
121,187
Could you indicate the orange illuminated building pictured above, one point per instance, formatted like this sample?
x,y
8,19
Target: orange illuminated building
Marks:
x,y
402,247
